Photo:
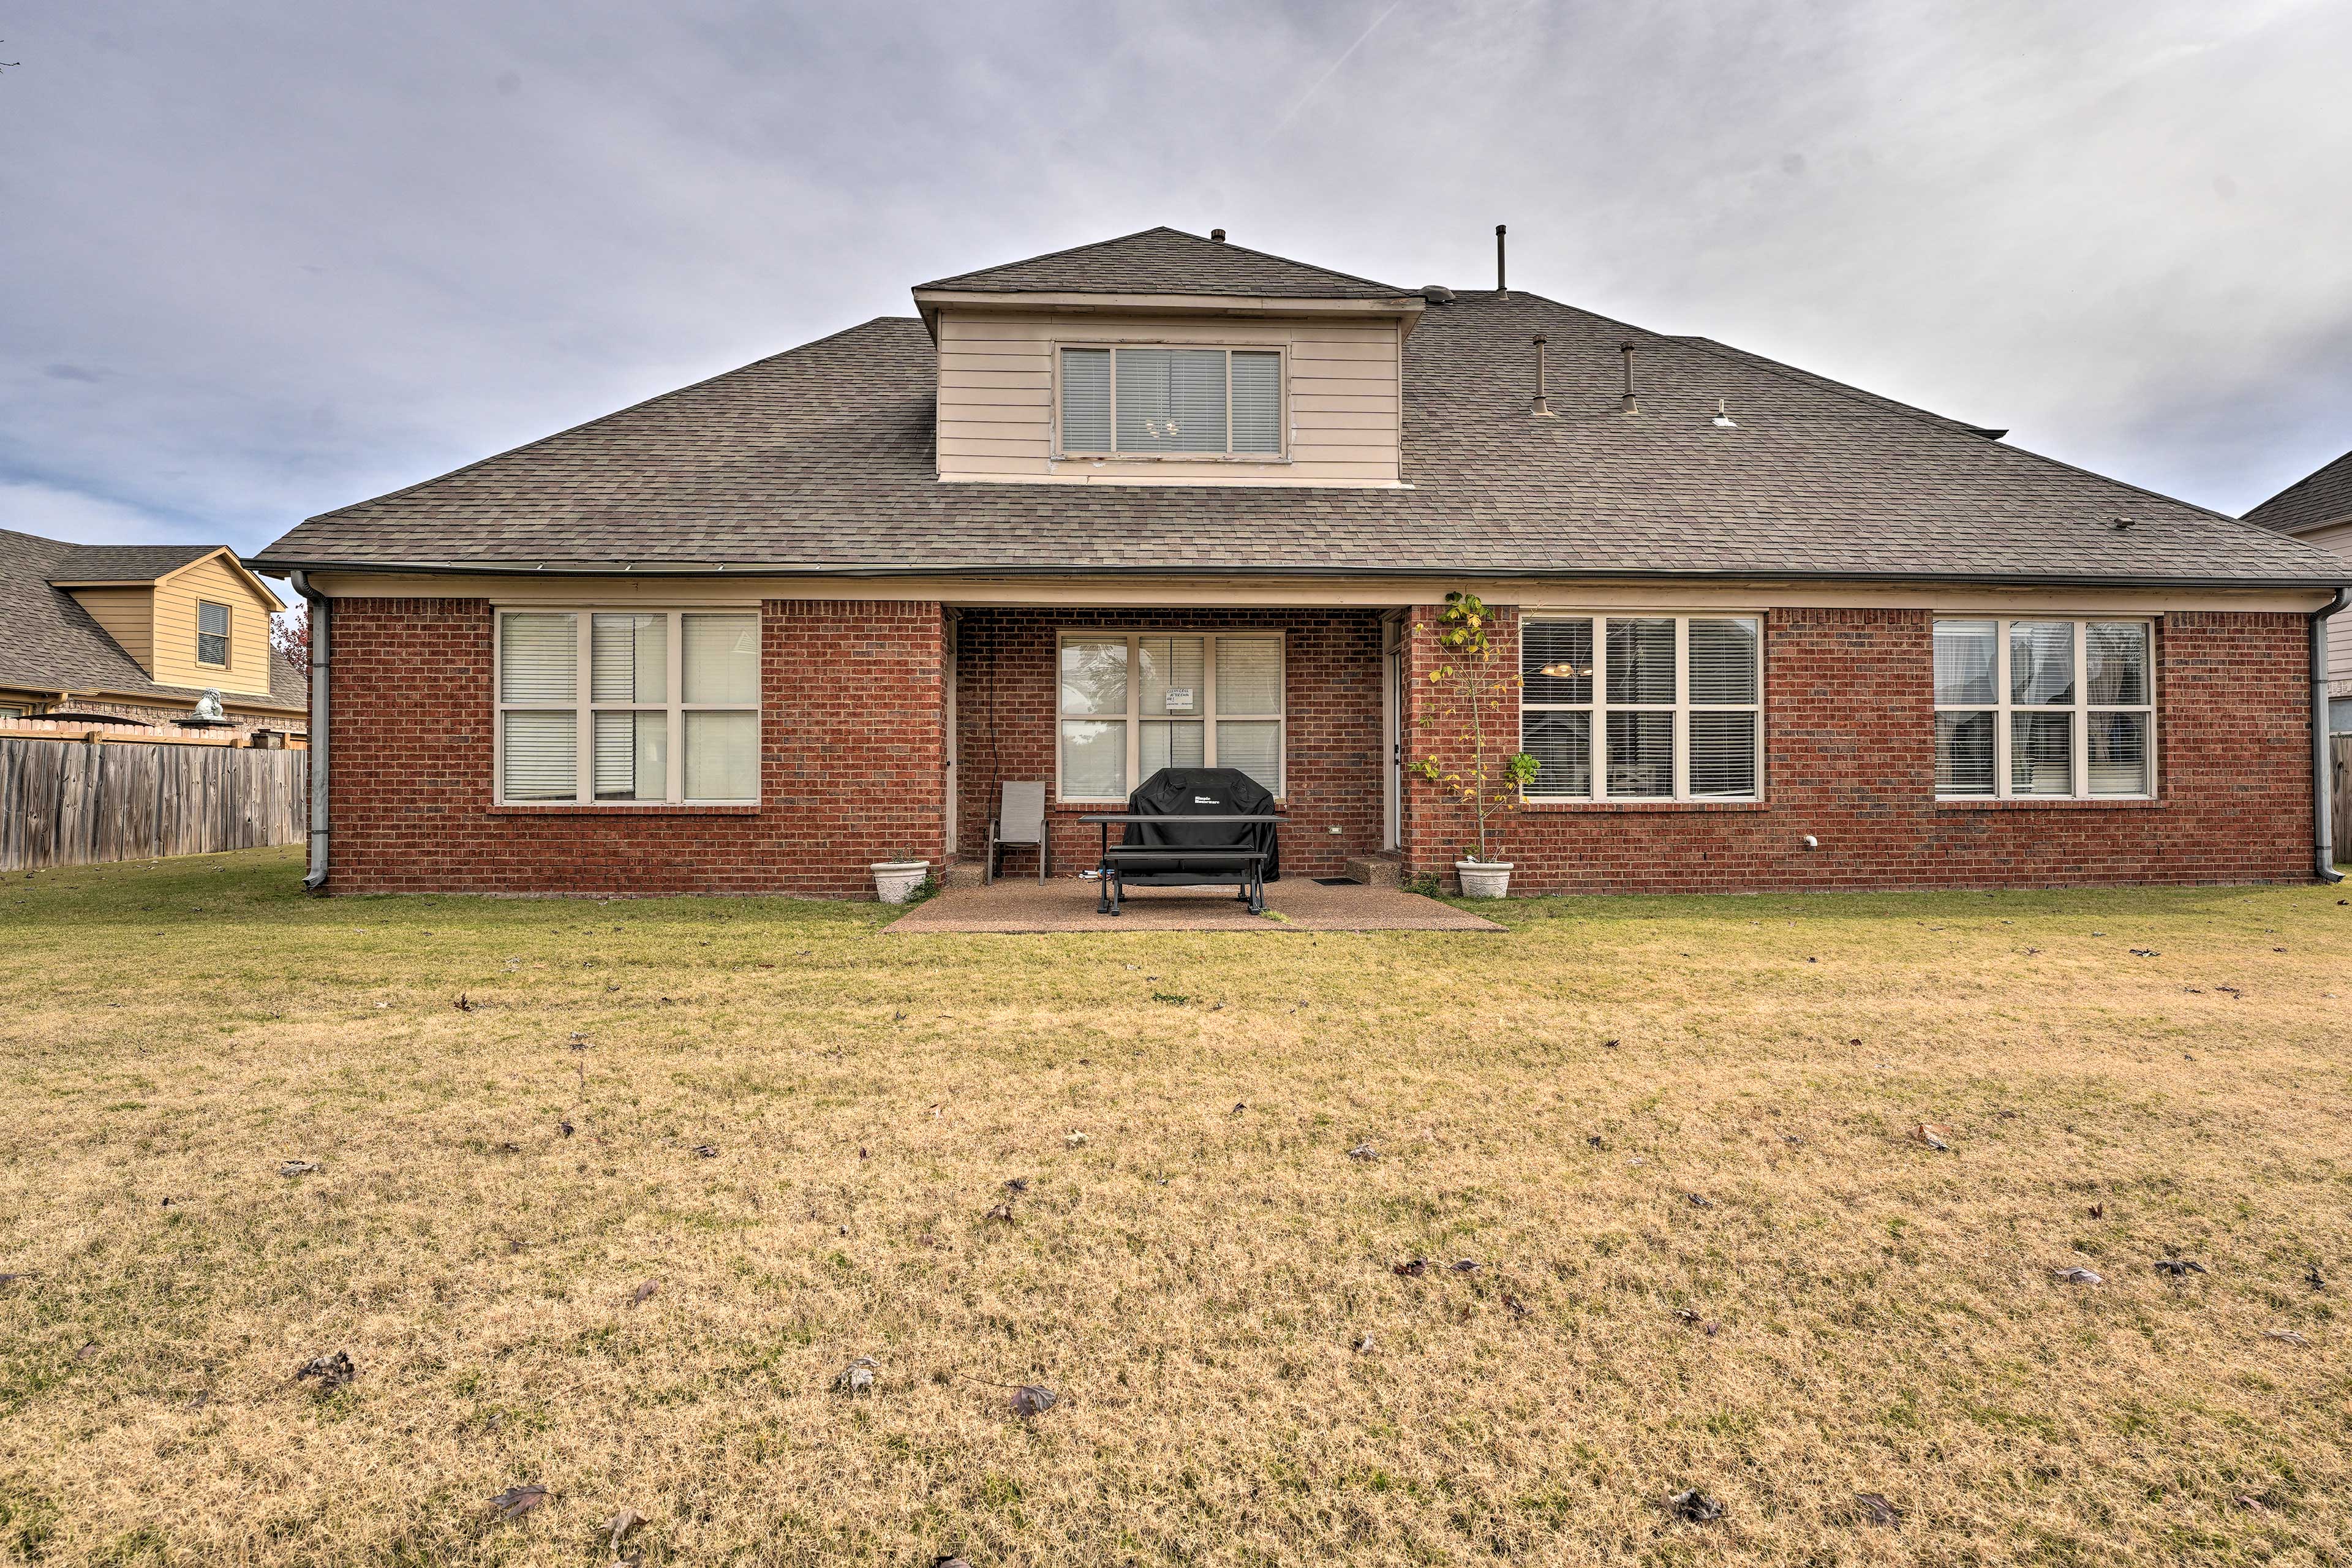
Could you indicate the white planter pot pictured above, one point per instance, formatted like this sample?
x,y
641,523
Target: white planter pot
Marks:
x,y
895,882
1484,878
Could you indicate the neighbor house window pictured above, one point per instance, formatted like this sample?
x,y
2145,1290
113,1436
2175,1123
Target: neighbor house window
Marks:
x,y
1172,402
211,633
1133,703
2043,708
613,707
1642,707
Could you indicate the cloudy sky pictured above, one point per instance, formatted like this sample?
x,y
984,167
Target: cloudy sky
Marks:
x,y
264,258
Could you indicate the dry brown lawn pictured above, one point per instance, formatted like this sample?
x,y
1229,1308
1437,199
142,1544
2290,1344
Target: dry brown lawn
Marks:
x,y
1674,1133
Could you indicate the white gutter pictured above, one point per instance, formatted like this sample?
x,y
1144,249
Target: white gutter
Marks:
x,y
317,879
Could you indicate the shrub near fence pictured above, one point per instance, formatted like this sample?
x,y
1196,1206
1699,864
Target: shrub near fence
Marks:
x,y
74,804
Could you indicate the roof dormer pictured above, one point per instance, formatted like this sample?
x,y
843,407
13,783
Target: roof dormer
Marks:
x,y
1164,358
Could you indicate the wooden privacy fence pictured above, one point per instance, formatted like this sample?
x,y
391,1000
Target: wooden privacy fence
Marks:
x,y
72,803
2340,746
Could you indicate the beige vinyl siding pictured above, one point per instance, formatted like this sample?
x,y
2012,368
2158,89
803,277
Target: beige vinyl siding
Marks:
x,y
128,615
2338,538
176,597
996,418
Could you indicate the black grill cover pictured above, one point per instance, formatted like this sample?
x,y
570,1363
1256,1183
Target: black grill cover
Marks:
x,y
1201,792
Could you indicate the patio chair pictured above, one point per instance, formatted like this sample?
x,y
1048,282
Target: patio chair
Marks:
x,y
1193,828
1019,821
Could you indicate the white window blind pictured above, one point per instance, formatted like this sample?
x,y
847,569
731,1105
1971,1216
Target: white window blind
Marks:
x,y
1085,400
1150,400
1132,703
617,707
211,633
1642,707
2041,707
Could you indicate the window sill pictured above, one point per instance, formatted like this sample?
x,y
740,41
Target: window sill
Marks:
x,y
1267,458
626,808
1542,807
2056,802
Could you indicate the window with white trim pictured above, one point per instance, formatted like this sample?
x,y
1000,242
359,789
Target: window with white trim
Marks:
x,y
1134,702
2042,707
617,707
1155,400
211,633
1642,707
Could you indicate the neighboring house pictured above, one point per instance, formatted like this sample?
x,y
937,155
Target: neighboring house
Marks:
x,y
139,633
1165,499
2317,510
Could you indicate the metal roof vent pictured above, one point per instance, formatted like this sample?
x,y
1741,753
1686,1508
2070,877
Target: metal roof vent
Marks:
x,y
1437,293
1218,235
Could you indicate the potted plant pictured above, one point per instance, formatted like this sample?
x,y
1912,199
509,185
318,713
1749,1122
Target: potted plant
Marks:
x,y
1491,782
895,882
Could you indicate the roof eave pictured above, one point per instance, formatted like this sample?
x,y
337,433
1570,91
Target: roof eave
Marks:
x,y
1406,309
1212,569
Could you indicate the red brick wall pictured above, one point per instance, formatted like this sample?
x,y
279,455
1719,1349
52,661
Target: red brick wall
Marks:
x,y
1849,759
850,772
1006,719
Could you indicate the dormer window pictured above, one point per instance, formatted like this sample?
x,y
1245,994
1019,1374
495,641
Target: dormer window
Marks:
x,y
1152,401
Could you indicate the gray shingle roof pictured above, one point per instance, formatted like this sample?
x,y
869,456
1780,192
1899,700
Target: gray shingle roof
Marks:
x,y
123,562
2318,499
822,458
51,643
1167,261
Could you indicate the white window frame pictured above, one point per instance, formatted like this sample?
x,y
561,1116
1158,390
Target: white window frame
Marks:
x,y
1682,707
585,708
2082,708
227,636
1209,714
1282,413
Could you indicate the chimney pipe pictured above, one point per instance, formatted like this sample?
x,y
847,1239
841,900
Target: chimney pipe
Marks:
x,y
1502,285
1542,410
1633,405
1218,235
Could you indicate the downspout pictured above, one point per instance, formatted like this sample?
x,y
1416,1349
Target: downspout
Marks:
x,y
2323,849
317,880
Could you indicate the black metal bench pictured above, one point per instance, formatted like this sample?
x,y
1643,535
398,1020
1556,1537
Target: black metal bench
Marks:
x,y
1190,866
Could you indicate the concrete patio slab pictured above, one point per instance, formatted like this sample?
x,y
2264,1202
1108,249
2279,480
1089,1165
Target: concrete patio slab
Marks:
x,y
1067,904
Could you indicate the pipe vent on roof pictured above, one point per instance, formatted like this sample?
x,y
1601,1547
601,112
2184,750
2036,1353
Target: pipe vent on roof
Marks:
x,y
1218,235
1631,400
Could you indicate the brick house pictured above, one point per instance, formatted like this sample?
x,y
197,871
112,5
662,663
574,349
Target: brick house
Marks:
x,y
1165,499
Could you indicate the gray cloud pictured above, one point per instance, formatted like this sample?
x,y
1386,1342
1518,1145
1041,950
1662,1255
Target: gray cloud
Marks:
x,y
264,263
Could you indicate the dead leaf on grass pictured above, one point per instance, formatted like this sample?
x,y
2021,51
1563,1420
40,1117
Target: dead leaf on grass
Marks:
x,y
463,1005
1698,1201
516,1501
1001,1213
1466,1266
2285,1336
857,1377
297,1167
2179,1267
565,1128
644,1293
1363,1152
621,1526
1877,1510
1517,1308
1695,1506
1933,1134
1016,1185
1412,1268
1034,1399
707,1151
332,1370
2315,1278
2076,1276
